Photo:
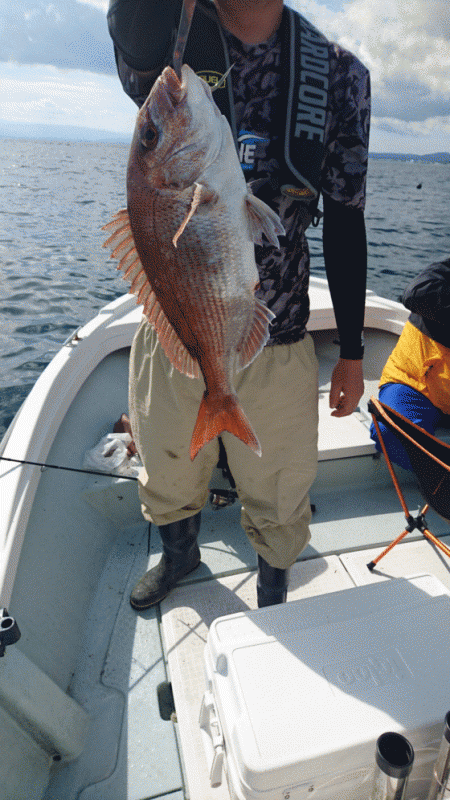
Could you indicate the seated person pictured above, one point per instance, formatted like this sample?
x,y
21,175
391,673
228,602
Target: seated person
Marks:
x,y
416,378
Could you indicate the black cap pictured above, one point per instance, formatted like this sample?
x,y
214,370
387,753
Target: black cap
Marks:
x,y
394,755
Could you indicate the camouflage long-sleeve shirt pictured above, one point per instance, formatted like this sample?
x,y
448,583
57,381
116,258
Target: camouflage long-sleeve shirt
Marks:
x,y
257,87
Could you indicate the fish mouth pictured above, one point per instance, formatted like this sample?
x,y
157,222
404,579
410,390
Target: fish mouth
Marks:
x,y
171,91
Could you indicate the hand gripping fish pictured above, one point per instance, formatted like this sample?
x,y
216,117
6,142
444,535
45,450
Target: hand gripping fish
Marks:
x,y
186,244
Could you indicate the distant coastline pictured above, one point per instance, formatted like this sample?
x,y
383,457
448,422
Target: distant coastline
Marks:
x,y
444,158
60,133
66,133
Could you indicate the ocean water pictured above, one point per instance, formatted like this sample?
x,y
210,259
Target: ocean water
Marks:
x,y
55,275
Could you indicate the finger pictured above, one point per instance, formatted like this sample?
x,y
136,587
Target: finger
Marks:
x,y
342,411
335,395
346,405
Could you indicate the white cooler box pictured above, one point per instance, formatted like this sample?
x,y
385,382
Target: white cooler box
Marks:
x,y
297,695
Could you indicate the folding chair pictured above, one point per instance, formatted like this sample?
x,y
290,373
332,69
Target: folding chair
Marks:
x,y
430,460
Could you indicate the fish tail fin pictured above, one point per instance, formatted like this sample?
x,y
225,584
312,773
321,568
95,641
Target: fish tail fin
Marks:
x,y
218,415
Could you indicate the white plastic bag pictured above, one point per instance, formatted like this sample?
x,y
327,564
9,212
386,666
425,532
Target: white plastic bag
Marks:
x,y
110,455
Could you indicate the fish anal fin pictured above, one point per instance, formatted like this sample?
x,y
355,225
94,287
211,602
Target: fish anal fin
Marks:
x,y
220,414
122,246
258,335
202,195
262,220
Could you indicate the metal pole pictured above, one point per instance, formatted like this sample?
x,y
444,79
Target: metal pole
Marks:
x,y
394,757
441,769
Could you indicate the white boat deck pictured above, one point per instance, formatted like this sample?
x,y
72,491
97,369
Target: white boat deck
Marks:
x,y
69,566
131,752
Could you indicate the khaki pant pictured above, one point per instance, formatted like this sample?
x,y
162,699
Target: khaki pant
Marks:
x,y
278,393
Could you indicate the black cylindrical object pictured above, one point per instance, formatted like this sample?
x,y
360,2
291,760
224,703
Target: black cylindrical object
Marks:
x,y
9,630
441,770
394,757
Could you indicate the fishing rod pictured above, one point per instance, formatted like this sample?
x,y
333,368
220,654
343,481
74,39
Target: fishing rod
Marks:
x,y
219,498
187,12
68,469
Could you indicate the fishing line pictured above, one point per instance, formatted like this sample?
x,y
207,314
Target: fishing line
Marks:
x,y
68,469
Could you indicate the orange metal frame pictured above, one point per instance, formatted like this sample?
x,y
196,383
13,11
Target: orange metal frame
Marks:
x,y
413,522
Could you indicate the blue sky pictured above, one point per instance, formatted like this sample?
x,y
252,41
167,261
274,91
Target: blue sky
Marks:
x,y
57,65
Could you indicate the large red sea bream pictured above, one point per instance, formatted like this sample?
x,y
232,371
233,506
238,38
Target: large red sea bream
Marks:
x,y
186,243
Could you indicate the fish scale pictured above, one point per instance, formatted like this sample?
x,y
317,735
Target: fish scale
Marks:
x,y
186,244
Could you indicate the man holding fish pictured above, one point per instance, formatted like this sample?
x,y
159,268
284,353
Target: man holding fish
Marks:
x,y
220,191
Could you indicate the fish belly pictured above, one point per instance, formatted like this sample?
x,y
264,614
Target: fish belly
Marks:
x,y
216,313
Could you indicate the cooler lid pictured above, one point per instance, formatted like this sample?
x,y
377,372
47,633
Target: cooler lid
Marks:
x,y
306,688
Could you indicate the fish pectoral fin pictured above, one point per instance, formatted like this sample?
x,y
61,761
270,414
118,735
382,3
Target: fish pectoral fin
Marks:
x,y
202,195
253,342
122,246
262,220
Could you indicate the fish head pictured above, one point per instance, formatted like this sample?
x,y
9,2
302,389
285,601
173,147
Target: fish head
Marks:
x,y
179,130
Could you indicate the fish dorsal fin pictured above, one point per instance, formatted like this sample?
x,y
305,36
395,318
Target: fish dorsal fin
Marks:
x,y
122,246
262,220
202,195
258,335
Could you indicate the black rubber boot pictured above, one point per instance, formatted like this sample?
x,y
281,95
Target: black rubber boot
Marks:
x,y
181,555
271,584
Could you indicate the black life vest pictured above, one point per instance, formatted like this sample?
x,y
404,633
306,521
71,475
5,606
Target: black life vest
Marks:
x,y
305,73
305,70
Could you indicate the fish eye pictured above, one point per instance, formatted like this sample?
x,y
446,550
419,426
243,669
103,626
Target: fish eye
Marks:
x,y
149,141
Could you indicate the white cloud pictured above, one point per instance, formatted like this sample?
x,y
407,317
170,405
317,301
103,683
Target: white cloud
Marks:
x,y
65,33
394,136
405,48
432,125
100,4
404,43
44,94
